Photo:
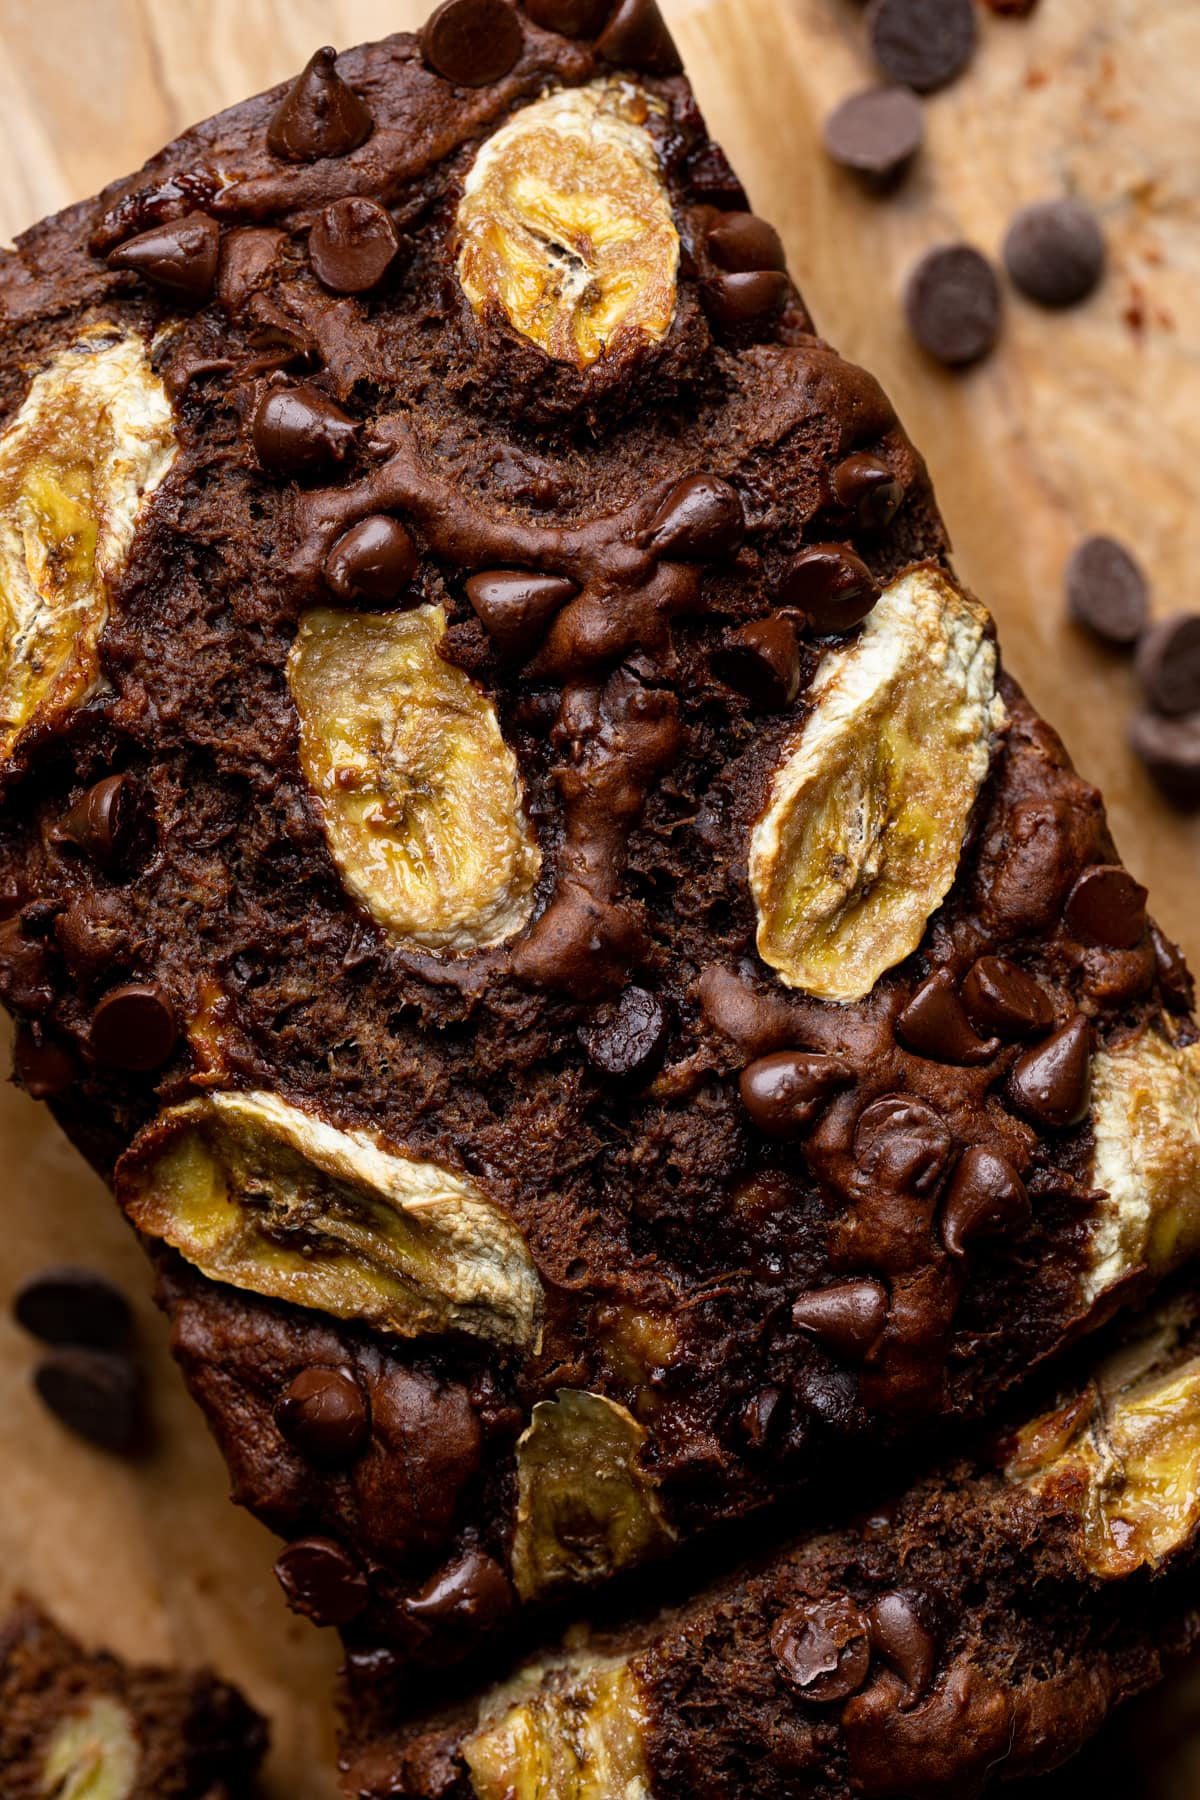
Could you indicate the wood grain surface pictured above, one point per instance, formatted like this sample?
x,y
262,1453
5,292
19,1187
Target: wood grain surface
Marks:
x,y
1083,421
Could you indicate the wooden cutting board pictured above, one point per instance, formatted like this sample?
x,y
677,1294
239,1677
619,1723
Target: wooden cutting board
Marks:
x,y
1084,421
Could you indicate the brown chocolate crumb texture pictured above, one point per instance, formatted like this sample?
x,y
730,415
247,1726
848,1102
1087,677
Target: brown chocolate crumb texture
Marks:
x,y
521,860
73,1722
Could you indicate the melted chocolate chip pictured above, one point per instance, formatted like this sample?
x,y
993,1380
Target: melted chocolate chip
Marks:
x,y
1168,664
1107,906
902,1144
106,820
986,1195
741,242
848,1319
319,115
1174,976
922,44
866,487
515,608
627,1037
1002,1000
299,430
1107,591
785,1092
876,133
352,245
73,1306
935,1025
763,1418
324,1414
736,300
1050,1085
322,1581
823,1648
952,303
761,661
636,37
472,42
180,258
1054,252
1170,750
44,1067
898,1635
134,1028
248,258
701,518
573,18
94,1393
832,587
374,561
473,1594
93,933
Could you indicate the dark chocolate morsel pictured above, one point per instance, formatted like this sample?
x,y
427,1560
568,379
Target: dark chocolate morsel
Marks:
x,y
324,1413
866,487
352,245
1051,1084
763,1418
472,42
374,561
1107,591
784,1093
73,1306
1002,1000
935,1025
104,821
1170,749
734,300
573,18
831,585
898,1635
823,1648
1174,976
1168,664
636,37
848,1319
952,304
322,1581
902,1144
95,1393
319,115
627,1037
922,44
1107,906
1054,252
875,133
93,934
741,242
516,608
762,661
134,1028
180,258
44,1067
985,1195
298,430
702,517
473,1594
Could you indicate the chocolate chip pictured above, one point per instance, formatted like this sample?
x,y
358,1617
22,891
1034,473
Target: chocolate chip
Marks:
x,y
628,1036
848,1319
1174,976
876,133
515,608
1107,906
322,1581
785,1092
324,1413
299,430
573,18
93,934
732,301
902,1144
94,1393
319,115
1011,9
636,37
922,44
374,561
1050,1085
352,245
832,586
1168,664
134,1028
741,242
1054,252
1107,591
952,303
763,1418
1004,1001
106,821
935,1025
898,1635
1170,749
823,1648
986,1195
867,488
761,661
472,1595
701,518
180,258
249,256
44,1067
73,1306
472,42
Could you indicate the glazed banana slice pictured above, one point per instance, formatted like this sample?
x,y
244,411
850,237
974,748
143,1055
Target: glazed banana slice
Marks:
x,y
862,834
567,1731
565,224
93,1754
421,799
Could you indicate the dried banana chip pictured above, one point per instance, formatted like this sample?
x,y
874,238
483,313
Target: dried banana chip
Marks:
x,y
93,1754
567,1731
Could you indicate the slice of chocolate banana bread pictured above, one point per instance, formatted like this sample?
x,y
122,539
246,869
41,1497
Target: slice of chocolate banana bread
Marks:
x,y
81,1726
521,859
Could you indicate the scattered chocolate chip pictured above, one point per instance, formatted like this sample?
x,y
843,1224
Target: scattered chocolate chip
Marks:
x,y
701,518
823,1648
986,1195
352,245
636,37
848,1319
180,258
515,608
902,1144
1002,1000
73,1306
573,18
832,586
784,1093
866,487
763,1418
1107,591
1011,9
898,1635
1170,749
876,133
105,821
628,1036
1107,906
473,1594
1168,664
299,430
1054,252
761,661
324,1413
935,1025
134,1028
732,301
43,1067
952,303
374,561
322,1581
741,242
1174,976
472,42
922,44
319,115
1050,1085
94,1393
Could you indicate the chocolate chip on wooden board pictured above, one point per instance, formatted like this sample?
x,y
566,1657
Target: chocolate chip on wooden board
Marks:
x,y
73,1306
1054,251
923,44
1107,592
1170,750
876,133
952,304
1168,664
94,1393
